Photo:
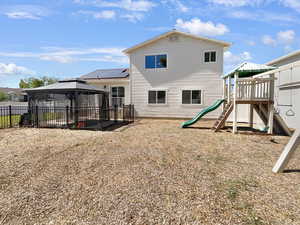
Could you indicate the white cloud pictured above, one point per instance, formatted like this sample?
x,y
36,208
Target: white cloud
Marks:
x,y
130,5
22,15
268,40
283,37
113,59
262,16
198,27
251,43
286,37
133,17
110,14
177,4
106,14
70,55
13,69
139,5
236,3
57,58
232,60
131,10
31,12
293,4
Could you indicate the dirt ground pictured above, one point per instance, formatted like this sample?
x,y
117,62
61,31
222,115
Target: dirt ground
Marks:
x,y
151,172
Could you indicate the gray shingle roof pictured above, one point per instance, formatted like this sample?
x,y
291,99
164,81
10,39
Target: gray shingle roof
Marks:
x,y
11,90
66,85
106,74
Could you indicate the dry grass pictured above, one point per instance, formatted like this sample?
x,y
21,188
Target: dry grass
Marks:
x,y
150,173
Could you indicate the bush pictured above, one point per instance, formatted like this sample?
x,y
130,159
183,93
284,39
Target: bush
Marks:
x,y
3,96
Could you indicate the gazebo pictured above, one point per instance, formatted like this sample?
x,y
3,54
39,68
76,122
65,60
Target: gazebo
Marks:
x,y
67,103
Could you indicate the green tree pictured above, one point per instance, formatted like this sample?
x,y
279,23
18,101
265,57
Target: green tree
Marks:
x,y
3,96
23,84
33,82
49,80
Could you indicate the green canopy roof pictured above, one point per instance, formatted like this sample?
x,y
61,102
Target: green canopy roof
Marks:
x,y
248,69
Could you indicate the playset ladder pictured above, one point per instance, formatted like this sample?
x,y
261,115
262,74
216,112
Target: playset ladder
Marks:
x,y
223,117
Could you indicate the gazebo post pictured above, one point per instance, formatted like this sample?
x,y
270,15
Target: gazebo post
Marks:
x,y
76,105
71,108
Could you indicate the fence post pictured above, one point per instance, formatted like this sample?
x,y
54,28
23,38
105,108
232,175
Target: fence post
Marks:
x,y
133,113
37,116
116,113
100,112
10,119
67,115
129,113
123,109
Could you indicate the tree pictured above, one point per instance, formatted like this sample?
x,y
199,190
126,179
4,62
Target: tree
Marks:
x,y
3,96
49,80
33,82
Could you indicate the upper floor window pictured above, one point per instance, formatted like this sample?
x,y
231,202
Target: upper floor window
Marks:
x,y
191,97
210,56
155,61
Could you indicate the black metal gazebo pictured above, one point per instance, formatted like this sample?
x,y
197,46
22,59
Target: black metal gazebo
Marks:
x,y
68,103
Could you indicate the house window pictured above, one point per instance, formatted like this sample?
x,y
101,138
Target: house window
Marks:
x,y
155,61
191,97
117,96
157,97
210,56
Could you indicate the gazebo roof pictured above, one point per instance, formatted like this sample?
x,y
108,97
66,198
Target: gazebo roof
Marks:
x,y
248,69
67,86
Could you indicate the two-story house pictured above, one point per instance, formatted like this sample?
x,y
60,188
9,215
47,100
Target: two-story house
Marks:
x,y
175,75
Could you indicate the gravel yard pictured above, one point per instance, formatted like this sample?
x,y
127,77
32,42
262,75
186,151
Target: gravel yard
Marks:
x,y
151,172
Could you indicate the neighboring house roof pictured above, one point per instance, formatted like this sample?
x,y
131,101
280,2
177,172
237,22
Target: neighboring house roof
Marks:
x,y
107,74
128,50
248,69
292,54
11,90
66,85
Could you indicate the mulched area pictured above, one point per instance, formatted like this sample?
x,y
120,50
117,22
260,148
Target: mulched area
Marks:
x,y
150,172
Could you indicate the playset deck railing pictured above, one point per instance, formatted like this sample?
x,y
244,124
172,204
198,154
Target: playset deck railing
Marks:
x,y
249,89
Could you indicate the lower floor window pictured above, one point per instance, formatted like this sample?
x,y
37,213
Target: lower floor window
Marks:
x,y
157,97
191,97
117,96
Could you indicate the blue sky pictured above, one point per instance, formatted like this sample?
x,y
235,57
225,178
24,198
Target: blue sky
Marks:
x,y
68,38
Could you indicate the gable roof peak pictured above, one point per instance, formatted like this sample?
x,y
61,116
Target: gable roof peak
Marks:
x,y
174,31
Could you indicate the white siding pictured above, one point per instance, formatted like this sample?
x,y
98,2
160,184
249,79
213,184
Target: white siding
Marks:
x,y
107,84
186,70
287,101
286,61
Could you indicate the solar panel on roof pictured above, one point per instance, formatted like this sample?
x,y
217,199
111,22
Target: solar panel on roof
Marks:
x,y
107,73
